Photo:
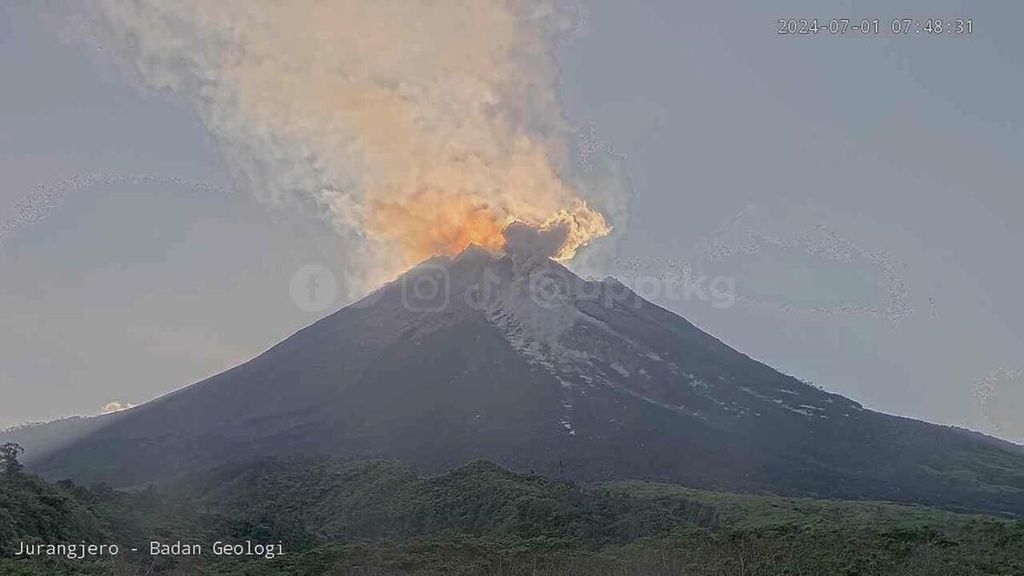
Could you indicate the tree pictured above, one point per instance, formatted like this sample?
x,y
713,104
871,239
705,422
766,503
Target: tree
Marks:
x,y
9,454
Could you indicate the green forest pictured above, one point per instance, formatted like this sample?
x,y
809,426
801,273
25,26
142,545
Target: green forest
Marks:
x,y
381,518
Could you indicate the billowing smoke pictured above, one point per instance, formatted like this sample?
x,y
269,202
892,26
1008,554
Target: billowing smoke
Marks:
x,y
543,242
116,406
416,126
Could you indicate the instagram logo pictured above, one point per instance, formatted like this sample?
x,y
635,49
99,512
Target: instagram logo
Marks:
x,y
428,289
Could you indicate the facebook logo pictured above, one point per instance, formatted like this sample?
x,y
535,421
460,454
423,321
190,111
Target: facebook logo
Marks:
x,y
313,288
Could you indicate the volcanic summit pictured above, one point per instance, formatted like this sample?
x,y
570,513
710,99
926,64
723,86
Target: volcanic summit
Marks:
x,y
515,359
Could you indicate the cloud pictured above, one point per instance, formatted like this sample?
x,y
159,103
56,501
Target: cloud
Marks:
x,y
528,240
415,126
115,406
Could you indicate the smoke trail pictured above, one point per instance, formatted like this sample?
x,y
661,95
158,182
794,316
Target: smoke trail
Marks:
x,y
43,199
416,126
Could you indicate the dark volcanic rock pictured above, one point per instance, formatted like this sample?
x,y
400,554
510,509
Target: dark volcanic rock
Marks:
x,y
523,363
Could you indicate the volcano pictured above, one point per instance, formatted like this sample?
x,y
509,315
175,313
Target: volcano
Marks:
x,y
515,359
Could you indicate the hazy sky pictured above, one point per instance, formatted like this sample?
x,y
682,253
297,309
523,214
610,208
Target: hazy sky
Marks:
x,y
864,194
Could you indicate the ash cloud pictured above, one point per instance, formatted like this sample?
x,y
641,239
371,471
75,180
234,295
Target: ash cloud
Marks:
x,y
529,241
416,127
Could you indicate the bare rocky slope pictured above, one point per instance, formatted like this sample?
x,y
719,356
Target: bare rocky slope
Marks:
x,y
519,361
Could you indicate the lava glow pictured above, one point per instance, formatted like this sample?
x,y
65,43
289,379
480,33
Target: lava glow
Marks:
x,y
445,224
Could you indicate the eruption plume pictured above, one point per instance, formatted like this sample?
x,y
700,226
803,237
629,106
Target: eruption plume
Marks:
x,y
416,126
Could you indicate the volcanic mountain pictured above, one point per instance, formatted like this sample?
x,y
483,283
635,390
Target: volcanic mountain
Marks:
x,y
517,360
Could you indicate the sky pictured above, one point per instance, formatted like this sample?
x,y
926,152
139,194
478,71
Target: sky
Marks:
x,y
862,196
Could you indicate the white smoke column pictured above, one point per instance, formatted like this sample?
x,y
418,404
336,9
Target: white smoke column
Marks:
x,y
417,126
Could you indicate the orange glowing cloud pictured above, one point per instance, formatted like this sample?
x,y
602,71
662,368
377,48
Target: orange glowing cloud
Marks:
x,y
434,222
417,126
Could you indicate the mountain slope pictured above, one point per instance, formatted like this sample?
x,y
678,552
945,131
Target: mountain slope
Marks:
x,y
517,360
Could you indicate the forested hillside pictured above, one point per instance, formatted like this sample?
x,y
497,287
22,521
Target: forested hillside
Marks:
x,y
382,518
